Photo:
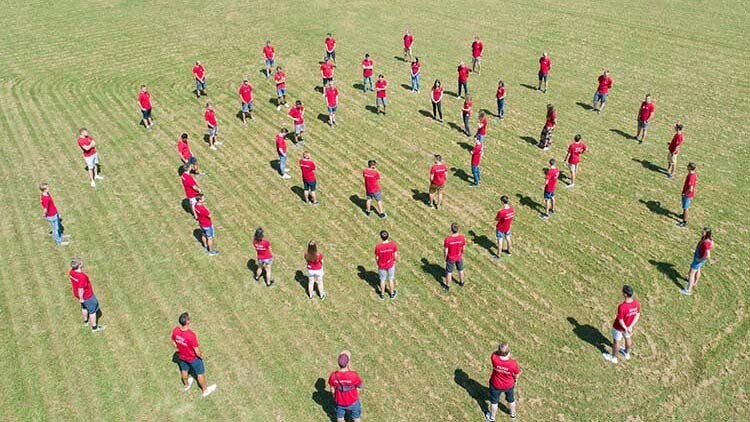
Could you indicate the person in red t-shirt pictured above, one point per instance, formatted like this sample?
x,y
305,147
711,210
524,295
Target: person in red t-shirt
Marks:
x,y
367,67
90,156
297,114
372,189
505,373
386,255
628,313
144,103
545,139
345,384
189,355
309,179
701,256
550,183
269,57
206,224
503,222
49,212
453,251
281,151
279,79
190,187
573,157
381,85
82,291
463,78
213,126
326,71
186,155
331,95
477,47
408,43
602,90
246,101
688,192
500,95
315,272
544,66
199,72
437,101
644,116
476,158
481,126
416,75
466,113
265,257
330,48
438,173
674,150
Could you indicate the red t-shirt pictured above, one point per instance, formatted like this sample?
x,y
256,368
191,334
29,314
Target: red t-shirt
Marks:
x,y
326,69
551,184
372,180
48,204
676,142
315,265
437,94
504,372
80,280
144,99
187,183
85,142
184,149
332,96
504,219
246,93
186,342
263,248
544,65
463,73
281,144
476,49
690,181
330,44
367,65
199,71
308,170
210,117
551,118
605,83
380,86
647,109
415,67
575,150
438,172
386,254
345,384
476,154
268,51
482,130
280,79
703,247
626,312
500,92
408,40
455,246
204,215
466,109
296,114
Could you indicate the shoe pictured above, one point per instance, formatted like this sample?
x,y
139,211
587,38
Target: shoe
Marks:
x,y
286,176
98,328
93,184
286,170
545,149
63,243
685,292
544,216
213,252
189,384
488,416
278,108
494,257
270,283
85,324
309,296
394,294
316,203
211,388
212,148
509,253
460,284
445,287
323,296
99,177
513,415
256,278
380,296
625,355
609,357
670,176
367,213
552,211
383,215
217,143
473,185
682,224
570,185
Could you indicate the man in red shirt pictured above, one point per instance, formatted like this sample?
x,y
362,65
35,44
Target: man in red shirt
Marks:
x,y
628,313
190,186
49,211
380,94
466,114
481,126
144,103
573,157
279,79
297,114
500,96
701,256
372,189
408,43
90,156
269,56
367,66
674,150
545,64
463,78
602,90
330,43
438,173
688,192
505,373
477,47
206,224
281,151
476,158
503,221
331,95
199,72
550,183
213,126
386,255
246,101
82,291
309,180
345,384
186,155
453,251
416,75
326,71
644,116
189,355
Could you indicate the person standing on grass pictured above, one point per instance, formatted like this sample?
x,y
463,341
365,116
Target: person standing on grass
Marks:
x,y
246,101
545,139
199,72
628,313
504,220
674,150
408,43
314,270
189,355
380,93
481,126
279,79
544,66
550,183
500,95
345,384
269,56
688,192
190,186
463,78
367,68
282,152
453,252
213,126
438,173
206,225
332,102
265,257
326,72
386,255
701,256
477,48
602,90
81,285
372,189
330,47
144,103
573,157
297,114
309,179
644,116
437,101
476,158
416,75
186,155
90,156
466,113
505,373
49,211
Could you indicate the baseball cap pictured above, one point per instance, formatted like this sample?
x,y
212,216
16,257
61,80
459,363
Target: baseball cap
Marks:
x,y
627,290
343,360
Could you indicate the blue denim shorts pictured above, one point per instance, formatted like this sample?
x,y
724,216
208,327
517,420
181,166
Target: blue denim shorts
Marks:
x,y
311,186
543,76
146,113
208,231
212,131
247,107
697,263
387,274
299,129
378,196
480,137
502,235
686,202
91,305
381,101
280,92
196,365
599,97
200,85
642,124
355,409
332,109
549,195
269,62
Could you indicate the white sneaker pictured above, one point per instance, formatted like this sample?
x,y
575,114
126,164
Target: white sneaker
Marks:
x,y
286,170
570,185
685,292
625,355
213,148
609,357
99,177
218,143
93,184
278,108
189,384
99,328
63,243
211,388
286,176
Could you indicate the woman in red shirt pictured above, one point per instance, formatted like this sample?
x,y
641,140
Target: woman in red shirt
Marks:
x,y
437,101
314,270
545,139
265,258
466,113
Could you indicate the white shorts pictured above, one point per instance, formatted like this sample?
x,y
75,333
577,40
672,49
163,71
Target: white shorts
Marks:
x,y
91,160
573,167
315,273
617,335
193,201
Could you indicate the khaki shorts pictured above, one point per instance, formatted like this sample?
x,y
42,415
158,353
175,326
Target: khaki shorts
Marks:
x,y
436,188
672,158
573,167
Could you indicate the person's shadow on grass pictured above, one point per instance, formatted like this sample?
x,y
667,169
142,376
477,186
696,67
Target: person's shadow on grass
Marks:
x,y
590,335
324,399
301,279
656,208
648,165
461,174
622,133
185,204
436,271
669,271
359,202
482,241
529,140
420,196
527,201
369,277
585,106
477,391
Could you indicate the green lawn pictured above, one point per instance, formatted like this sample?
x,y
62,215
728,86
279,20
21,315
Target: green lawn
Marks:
x,y
424,356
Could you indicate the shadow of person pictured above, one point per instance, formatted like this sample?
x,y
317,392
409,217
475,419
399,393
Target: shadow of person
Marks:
x,y
590,335
324,399
669,271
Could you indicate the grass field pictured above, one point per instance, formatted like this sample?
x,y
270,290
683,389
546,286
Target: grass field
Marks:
x,y
424,356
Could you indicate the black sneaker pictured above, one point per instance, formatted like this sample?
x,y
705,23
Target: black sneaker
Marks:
x,y
367,213
394,294
460,284
445,287
380,296
256,278
270,283
682,224
383,215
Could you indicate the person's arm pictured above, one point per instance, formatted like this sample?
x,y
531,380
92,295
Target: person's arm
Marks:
x,y
173,343
198,352
567,155
395,256
708,257
196,188
80,294
622,324
445,252
635,321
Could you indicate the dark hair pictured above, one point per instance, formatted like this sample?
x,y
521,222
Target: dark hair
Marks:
x,y
691,166
627,290
312,251
504,199
184,318
184,136
707,233
258,234
552,161
186,167
384,235
438,157
679,126
298,102
367,54
577,137
437,82
416,59
371,163
454,227
501,83
550,109
284,130
380,76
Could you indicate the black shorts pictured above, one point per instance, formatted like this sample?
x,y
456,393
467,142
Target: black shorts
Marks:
x,y
496,392
450,264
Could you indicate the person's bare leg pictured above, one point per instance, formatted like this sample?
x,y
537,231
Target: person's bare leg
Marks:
x,y
91,174
507,238
440,199
615,348
321,288
448,278
493,410
379,207
85,315
244,120
368,206
382,286
184,376
204,242
546,206
552,208
314,197
643,134
628,345
269,277
638,131
310,286
512,407
685,215
210,243
202,382
432,199
461,277
92,320
499,247
259,271
392,285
